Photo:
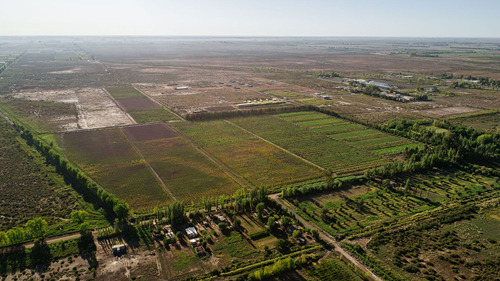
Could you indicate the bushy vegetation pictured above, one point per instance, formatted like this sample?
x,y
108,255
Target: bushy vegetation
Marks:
x,y
76,178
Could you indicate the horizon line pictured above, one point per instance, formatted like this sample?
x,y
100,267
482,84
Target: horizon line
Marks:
x,y
253,36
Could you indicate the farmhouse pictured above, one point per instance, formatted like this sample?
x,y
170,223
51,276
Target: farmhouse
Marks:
x,y
191,232
378,84
119,249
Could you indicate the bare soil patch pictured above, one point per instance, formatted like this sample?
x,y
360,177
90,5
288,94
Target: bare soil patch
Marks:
x,y
149,132
439,112
94,108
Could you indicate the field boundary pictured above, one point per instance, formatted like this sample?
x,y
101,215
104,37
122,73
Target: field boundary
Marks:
x,y
228,171
165,187
161,105
277,146
119,106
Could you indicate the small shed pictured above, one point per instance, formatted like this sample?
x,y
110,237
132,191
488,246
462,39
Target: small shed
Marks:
x,y
119,249
191,232
170,235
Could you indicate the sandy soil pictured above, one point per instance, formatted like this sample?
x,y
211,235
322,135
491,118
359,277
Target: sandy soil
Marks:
x,y
94,107
449,111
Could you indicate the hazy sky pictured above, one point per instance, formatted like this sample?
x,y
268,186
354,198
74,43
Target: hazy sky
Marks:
x,y
422,18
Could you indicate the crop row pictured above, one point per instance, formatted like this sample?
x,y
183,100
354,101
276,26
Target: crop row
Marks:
x,y
257,161
315,147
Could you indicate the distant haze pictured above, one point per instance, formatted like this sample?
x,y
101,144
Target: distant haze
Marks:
x,y
390,18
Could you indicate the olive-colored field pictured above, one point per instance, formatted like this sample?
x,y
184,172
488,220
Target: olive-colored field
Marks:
x,y
313,146
185,171
257,161
354,134
109,158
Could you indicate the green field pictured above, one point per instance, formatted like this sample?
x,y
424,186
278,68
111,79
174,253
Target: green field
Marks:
x,y
354,134
251,157
152,115
331,269
315,147
124,93
347,212
109,158
365,133
185,171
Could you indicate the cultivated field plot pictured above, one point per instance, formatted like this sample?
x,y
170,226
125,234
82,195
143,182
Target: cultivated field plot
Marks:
x,y
313,146
449,111
188,174
208,97
109,158
251,157
468,247
149,132
141,108
348,211
66,110
353,134
487,122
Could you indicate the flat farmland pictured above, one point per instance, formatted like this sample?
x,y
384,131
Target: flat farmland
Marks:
x,y
313,146
109,158
351,210
257,161
354,134
123,93
131,182
100,147
137,104
65,110
188,174
140,107
149,132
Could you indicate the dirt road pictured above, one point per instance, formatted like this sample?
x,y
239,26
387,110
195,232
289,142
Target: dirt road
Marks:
x,y
325,237
55,239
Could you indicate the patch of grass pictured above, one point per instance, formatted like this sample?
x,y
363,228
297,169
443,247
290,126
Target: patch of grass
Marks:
x,y
357,134
332,269
125,93
395,149
184,261
236,247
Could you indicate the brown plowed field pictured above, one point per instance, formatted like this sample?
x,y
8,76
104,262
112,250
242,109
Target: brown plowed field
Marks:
x,y
149,132
137,103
